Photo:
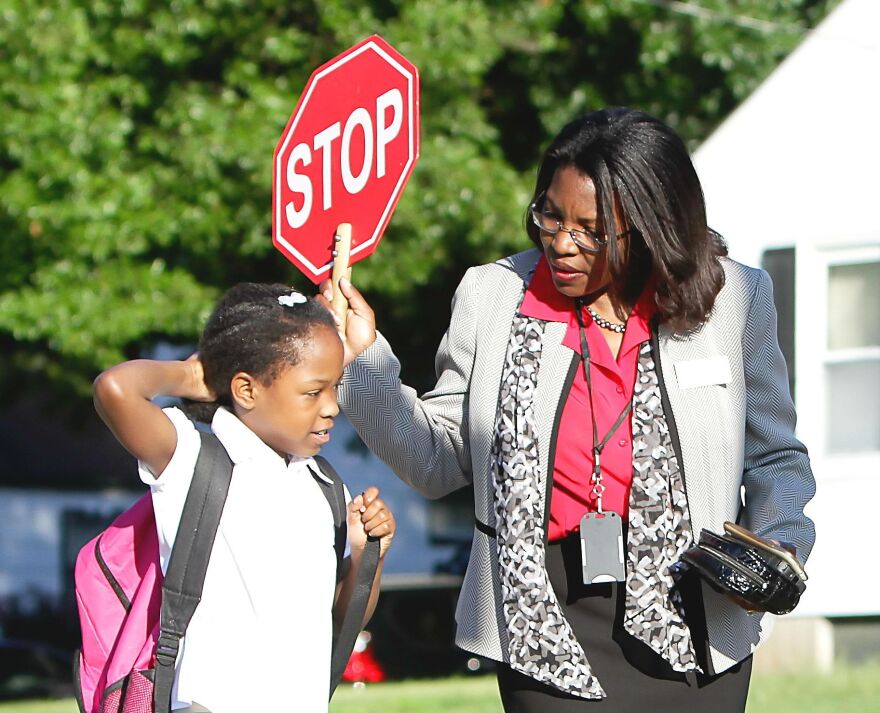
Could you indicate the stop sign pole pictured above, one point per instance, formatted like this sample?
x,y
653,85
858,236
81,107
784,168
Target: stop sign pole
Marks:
x,y
341,268
344,159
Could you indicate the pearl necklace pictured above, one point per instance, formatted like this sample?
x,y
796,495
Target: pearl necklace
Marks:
x,y
604,323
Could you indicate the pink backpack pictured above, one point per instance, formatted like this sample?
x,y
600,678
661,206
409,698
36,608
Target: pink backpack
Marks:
x,y
132,620
118,595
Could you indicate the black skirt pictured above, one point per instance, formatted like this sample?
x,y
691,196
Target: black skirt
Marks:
x,y
635,679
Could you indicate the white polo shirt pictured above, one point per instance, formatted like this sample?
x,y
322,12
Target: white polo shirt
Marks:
x,y
260,639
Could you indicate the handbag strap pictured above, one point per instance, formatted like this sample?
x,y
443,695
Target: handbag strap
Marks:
x,y
182,587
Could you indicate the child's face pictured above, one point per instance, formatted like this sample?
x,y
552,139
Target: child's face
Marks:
x,y
295,412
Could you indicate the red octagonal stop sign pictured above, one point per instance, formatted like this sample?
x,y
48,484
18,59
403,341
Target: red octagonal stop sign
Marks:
x,y
345,155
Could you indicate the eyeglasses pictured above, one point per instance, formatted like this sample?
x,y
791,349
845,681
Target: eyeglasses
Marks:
x,y
587,240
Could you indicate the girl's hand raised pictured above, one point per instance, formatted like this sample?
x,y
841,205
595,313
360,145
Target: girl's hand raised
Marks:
x,y
360,325
196,388
368,515
123,398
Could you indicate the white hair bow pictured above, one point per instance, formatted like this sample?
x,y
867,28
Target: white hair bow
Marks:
x,y
294,298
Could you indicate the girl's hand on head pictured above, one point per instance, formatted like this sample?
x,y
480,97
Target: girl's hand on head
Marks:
x,y
360,326
197,389
369,515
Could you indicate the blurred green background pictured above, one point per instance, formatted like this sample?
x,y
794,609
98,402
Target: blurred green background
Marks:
x,y
136,144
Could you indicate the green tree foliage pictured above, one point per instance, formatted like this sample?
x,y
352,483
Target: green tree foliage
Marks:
x,y
136,143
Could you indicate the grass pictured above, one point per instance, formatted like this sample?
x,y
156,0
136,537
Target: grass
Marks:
x,y
850,689
65,706
477,694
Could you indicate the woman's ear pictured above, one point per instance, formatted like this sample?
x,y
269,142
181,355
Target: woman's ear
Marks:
x,y
244,388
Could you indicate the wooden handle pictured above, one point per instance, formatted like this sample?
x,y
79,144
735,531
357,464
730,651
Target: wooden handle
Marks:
x,y
341,254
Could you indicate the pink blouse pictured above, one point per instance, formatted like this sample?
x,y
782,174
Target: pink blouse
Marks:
x,y
613,383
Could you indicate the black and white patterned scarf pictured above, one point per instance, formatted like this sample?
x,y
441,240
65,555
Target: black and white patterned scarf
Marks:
x,y
542,644
659,527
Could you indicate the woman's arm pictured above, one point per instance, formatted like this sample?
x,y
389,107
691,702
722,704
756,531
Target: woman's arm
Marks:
x,y
123,394
423,439
777,476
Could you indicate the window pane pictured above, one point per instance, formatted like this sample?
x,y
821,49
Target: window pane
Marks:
x,y
854,305
853,406
779,263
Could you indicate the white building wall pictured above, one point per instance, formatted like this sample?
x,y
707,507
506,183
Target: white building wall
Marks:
x,y
797,165
848,484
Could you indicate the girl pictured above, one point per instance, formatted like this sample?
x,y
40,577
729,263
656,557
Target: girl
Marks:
x,y
271,360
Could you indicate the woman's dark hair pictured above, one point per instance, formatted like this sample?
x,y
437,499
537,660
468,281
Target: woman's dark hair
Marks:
x,y
642,168
251,331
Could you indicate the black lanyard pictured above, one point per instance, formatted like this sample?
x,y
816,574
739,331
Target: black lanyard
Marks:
x,y
598,487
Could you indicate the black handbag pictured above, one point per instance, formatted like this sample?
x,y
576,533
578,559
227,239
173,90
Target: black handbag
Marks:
x,y
764,575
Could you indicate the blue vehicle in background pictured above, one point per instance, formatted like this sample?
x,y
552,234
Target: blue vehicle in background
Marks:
x,y
54,501
413,629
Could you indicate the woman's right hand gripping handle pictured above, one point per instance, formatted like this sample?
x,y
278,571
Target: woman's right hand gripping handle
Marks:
x,y
360,326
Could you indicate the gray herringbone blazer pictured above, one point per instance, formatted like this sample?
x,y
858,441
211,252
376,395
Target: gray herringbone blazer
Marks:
x,y
728,391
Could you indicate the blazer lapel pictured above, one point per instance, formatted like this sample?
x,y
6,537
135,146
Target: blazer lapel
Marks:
x,y
555,363
709,423
493,337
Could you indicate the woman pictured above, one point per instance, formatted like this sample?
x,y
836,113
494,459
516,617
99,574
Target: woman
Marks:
x,y
624,371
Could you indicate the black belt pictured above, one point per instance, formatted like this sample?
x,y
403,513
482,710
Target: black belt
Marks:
x,y
485,529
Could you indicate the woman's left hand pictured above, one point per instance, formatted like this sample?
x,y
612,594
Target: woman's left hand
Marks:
x,y
368,515
750,608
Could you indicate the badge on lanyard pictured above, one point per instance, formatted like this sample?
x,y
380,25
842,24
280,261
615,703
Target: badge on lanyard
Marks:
x,y
602,557
602,548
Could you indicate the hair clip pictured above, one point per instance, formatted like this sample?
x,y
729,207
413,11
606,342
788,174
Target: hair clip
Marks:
x,y
294,298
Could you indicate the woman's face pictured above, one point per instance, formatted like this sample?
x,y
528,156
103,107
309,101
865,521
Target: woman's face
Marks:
x,y
571,199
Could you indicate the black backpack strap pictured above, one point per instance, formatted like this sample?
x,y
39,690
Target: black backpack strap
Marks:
x,y
182,587
335,495
353,621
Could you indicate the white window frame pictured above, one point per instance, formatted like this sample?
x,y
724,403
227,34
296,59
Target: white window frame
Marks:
x,y
812,265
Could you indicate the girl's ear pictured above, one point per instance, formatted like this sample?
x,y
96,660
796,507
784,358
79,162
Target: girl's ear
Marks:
x,y
243,388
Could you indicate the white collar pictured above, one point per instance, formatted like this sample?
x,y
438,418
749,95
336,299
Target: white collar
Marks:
x,y
242,444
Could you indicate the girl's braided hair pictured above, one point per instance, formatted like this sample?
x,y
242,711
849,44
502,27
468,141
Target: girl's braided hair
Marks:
x,y
250,330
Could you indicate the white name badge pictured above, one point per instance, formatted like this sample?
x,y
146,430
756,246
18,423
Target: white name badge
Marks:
x,y
602,548
702,372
